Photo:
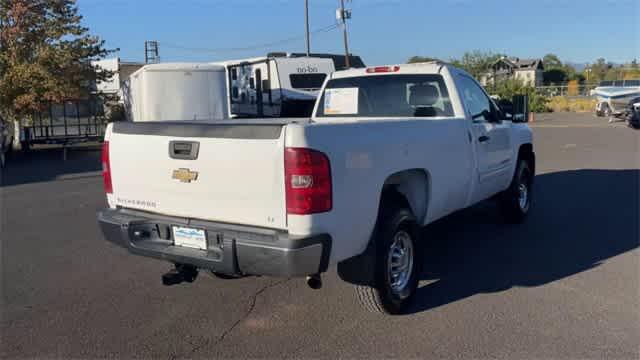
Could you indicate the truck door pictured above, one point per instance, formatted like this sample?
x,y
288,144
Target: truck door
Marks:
x,y
490,137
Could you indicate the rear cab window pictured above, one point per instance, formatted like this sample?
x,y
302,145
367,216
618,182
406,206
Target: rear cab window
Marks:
x,y
397,95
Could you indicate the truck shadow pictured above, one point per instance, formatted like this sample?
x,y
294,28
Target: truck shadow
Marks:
x,y
580,219
46,164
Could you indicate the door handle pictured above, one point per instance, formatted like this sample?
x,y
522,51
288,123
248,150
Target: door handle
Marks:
x,y
483,138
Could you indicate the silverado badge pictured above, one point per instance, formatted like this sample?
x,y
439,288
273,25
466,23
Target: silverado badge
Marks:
x,y
185,175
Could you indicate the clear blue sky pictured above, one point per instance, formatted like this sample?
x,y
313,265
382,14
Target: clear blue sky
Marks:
x,y
381,31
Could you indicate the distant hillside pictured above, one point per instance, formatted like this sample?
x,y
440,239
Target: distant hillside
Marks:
x,y
578,66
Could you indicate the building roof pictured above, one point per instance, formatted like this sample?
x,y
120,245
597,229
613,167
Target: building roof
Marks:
x,y
522,64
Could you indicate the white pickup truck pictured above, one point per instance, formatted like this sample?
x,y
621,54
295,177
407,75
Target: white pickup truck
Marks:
x,y
387,150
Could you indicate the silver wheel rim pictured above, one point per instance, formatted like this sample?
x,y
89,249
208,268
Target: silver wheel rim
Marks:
x,y
523,197
400,263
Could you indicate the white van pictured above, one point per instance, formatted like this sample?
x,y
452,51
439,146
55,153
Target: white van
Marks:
x,y
176,91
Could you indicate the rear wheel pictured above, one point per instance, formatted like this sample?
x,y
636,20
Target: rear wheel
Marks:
x,y
515,202
396,264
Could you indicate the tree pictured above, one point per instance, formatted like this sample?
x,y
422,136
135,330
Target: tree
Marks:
x,y
45,55
598,71
554,76
507,88
551,61
476,62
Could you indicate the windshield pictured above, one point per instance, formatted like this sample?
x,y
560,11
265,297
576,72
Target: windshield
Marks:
x,y
386,96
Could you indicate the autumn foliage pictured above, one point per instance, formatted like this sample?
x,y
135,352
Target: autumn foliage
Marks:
x,y
45,55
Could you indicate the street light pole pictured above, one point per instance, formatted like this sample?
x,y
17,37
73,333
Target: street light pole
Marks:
x,y
343,16
306,23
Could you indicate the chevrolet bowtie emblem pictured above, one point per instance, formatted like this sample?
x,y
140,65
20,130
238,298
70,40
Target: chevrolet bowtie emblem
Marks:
x,y
185,175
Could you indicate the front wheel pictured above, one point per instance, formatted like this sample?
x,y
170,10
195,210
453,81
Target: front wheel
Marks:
x,y
515,202
396,264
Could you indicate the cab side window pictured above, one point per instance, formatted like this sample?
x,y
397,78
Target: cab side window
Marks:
x,y
475,100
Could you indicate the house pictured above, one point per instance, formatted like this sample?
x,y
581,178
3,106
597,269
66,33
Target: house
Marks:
x,y
528,70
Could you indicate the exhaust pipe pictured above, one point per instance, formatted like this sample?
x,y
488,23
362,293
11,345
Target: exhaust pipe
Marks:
x,y
314,281
180,274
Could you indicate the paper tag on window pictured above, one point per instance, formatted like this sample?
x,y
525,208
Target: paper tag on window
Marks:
x,y
341,101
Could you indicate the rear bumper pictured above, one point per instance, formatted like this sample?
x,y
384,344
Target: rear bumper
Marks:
x,y
232,249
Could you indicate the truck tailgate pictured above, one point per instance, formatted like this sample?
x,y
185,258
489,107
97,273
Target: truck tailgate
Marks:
x,y
235,176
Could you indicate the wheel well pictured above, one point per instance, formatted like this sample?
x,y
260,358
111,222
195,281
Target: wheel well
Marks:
x,y
409,188
526,153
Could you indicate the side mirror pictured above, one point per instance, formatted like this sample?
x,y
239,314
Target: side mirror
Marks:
x,y
520,109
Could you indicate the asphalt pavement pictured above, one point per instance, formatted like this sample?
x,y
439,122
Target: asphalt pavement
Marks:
x,y
566,284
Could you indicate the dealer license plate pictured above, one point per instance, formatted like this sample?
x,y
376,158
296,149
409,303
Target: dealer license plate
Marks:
x,y
189,237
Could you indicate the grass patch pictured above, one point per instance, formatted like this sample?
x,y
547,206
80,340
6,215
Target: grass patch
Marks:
x,y
564,104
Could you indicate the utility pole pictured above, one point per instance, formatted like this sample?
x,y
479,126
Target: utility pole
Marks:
x,y
344,15
306,24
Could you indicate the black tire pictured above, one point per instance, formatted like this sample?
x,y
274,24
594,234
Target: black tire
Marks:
x,y
393,223
512,206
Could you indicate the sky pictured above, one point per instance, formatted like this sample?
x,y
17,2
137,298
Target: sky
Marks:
x,y
380,31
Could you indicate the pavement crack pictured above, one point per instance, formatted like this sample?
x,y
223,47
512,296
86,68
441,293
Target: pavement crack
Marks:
x,y
252,305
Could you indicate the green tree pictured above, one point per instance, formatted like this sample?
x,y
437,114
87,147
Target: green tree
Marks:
x,y
598,70
45,55
507,88
551,61
476,62
554,76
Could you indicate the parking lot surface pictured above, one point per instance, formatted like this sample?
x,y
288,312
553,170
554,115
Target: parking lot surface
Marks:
x,y
566,284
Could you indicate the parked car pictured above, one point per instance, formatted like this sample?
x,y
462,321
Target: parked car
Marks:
x,y
633,113
388,149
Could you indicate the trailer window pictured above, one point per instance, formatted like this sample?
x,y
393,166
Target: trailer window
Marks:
x,y
386,96
307,81
632,83
234,74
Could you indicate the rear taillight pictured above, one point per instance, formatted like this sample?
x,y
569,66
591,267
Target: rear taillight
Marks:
x,y
106,168
307,181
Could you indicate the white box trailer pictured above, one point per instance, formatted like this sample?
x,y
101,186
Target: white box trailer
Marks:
x,y
275,86
177,91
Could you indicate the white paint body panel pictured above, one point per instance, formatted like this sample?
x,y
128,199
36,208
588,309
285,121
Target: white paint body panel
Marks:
x,y
242,180
239,181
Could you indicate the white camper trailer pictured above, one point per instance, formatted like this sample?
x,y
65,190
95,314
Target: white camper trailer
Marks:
x,y
177,91
275,86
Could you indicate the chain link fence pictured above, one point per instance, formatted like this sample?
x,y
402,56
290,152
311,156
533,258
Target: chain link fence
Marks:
x,y
583,90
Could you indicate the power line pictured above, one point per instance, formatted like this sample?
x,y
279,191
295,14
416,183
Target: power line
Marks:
x,y
252,47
